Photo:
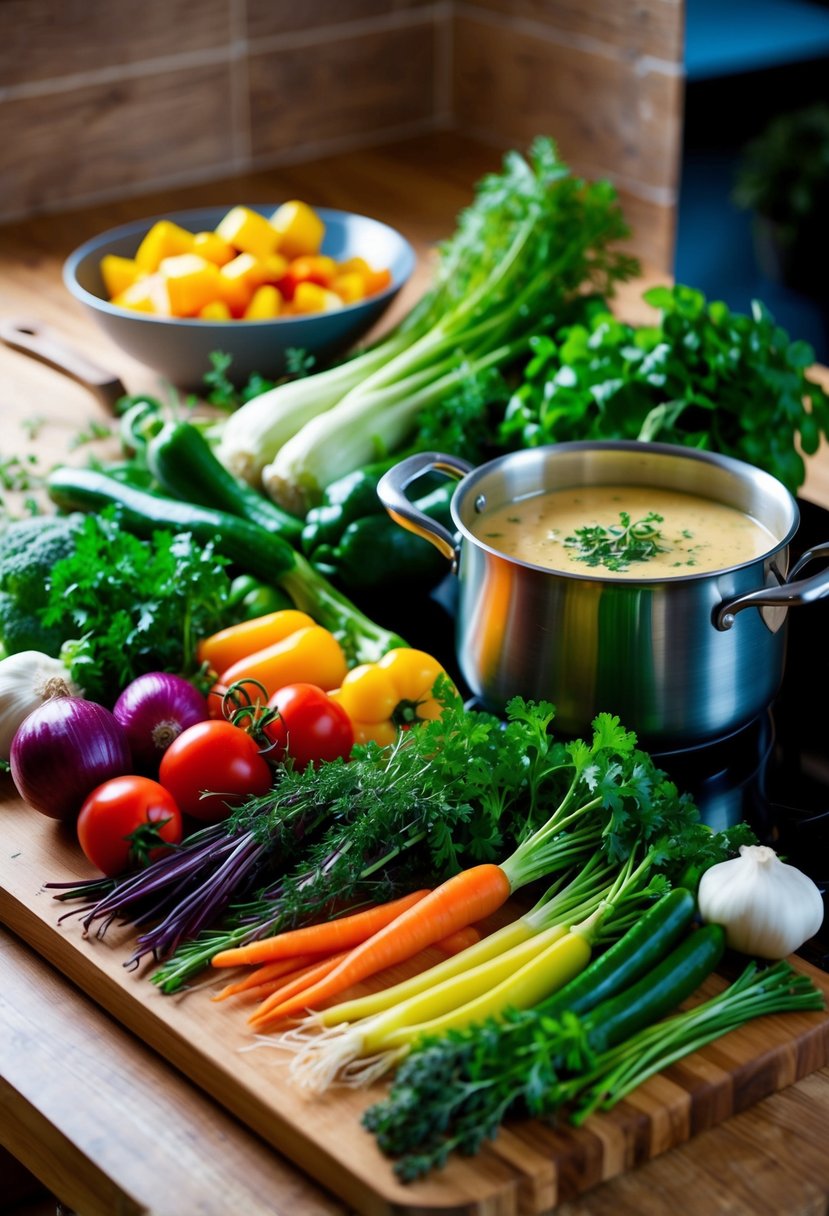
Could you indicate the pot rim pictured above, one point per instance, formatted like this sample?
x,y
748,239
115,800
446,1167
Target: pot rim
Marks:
x,y
731,464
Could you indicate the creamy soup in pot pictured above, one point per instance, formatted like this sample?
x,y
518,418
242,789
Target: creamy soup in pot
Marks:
x,y
624,532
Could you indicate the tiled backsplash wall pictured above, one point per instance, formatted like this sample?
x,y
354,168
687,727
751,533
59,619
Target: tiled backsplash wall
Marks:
x,y
101,99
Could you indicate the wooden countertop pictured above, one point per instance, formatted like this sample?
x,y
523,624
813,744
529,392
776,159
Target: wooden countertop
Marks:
x,y
141,1138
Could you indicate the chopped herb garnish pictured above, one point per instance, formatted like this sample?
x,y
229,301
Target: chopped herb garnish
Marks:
x,y
617,545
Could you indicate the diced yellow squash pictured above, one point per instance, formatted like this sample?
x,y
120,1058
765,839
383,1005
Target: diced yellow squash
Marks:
x,y
164,240
265,304
299,229
350,287
355,266
211,246
272,268
140,296
310,297
216,310
248,231
190,282
118,273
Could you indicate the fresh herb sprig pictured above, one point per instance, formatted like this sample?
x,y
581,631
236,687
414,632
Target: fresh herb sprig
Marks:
x,y
618,545
131,606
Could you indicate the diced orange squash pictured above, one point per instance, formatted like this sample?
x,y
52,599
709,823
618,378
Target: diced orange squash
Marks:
x,y
311,268
139,296
164,240
350,287
216,310
238,280
377,280
310,297
118,273
265,304
211,246
299,229
190,282
248,231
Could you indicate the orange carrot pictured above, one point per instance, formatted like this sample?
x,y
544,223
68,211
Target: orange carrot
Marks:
x,y
460,901
302,980
455,942
267,973
342,933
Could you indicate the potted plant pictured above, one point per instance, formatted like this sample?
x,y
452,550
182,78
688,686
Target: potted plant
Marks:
x,y
782,177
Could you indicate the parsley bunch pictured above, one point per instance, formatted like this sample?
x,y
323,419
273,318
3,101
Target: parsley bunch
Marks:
x,y
703,377
131,606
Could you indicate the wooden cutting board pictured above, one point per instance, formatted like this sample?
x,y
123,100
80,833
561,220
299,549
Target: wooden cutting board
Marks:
x,y
529,1168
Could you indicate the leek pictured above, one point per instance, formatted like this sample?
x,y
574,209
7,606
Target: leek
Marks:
x,y
533,238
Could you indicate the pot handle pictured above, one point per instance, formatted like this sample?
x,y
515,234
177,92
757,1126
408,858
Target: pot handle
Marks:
x,y
793,592
392,487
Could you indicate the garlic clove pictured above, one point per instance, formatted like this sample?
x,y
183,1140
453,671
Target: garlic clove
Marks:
x,y
767,907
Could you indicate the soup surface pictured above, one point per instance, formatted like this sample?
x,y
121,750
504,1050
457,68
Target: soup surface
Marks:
x,y
624,531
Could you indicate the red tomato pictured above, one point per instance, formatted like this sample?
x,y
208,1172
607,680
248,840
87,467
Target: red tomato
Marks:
x,y
310,727
121,822
212,767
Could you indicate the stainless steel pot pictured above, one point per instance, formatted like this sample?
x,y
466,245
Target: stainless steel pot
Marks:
x,y
681,660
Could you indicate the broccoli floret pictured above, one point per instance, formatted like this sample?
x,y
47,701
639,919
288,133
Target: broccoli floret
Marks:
x,y
29,549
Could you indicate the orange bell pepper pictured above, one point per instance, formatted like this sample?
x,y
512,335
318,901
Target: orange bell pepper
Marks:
x,y
308,656
236,642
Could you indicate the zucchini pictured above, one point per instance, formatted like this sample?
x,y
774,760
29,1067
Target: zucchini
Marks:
x,y
658,992
641,948
184,465
247,545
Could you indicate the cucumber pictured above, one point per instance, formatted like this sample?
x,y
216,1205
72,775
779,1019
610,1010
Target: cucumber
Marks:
x,y
658,992
641,948
249,546
184,465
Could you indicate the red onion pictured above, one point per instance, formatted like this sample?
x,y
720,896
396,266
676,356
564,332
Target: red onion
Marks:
x,y
64,749
153,710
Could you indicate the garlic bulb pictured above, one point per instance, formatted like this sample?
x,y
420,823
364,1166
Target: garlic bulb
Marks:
x,y
767,908
27,679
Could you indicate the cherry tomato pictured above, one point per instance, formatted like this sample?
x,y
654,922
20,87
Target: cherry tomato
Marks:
x,y
310,727
211,767
122,822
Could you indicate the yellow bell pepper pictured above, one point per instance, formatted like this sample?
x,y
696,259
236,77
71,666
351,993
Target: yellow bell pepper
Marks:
x,y
385,697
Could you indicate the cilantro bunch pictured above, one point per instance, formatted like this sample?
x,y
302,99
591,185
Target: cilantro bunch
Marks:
x,y
128,606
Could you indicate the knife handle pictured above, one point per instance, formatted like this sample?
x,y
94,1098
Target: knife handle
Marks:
x,y
33,338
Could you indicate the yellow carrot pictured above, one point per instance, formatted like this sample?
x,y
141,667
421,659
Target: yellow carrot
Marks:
x,y
519,977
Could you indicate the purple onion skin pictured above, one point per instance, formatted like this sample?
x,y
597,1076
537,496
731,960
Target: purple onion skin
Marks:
x,y
64,749
153,710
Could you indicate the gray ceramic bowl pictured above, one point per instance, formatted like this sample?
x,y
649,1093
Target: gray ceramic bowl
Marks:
x,y
180,349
